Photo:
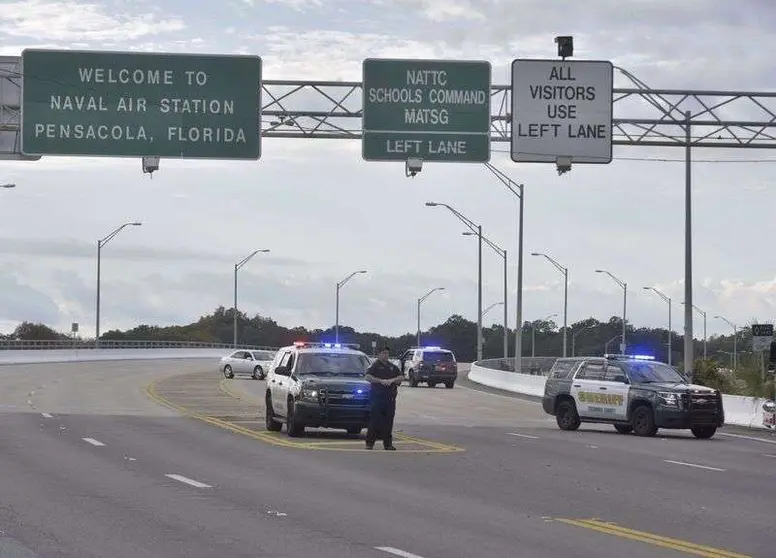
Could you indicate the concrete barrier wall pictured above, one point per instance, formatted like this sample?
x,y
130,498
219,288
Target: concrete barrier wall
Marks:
x,y
739,410
85,355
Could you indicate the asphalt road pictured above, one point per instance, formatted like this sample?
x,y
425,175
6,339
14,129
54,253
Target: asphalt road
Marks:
x,y
92,467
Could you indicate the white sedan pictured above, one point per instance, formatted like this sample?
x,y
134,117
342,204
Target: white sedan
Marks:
x,y
252,363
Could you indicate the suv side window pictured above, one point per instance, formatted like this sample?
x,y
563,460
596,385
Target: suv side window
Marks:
x,y
615,373
591,371
562,369
285,359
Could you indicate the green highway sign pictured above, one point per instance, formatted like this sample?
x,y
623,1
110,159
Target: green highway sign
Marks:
x,y
438,110
431,146
122,104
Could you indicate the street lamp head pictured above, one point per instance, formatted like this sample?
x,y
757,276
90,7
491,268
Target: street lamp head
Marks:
x,y
600,271
536,254
136,224
468,233
266,250
361,271
8,186
647,288
431,204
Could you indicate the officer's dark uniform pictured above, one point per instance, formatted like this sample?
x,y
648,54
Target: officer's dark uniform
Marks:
x,y
383,404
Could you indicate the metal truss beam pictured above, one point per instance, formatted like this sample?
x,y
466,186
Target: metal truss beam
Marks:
x,y
332,110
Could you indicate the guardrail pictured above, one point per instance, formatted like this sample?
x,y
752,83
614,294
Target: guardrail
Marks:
x,y
534,366
80,344
92,355
739,410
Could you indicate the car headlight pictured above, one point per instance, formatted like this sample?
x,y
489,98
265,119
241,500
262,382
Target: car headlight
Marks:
x,y
308,393
669,399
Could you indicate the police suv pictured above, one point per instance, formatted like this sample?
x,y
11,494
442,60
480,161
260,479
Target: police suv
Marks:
x,y
317,385
432,365
634,393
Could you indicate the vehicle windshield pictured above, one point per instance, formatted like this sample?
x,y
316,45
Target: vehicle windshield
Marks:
x,y
263,355
652,372
437,356
332,364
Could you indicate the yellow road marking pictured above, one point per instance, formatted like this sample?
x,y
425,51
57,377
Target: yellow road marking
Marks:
x,y
279,440
655,540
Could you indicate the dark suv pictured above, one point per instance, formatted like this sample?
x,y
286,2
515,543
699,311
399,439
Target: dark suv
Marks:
x,y
432,365
633,393
318,385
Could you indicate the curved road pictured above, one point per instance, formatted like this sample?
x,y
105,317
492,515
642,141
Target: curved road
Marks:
x,y
96,463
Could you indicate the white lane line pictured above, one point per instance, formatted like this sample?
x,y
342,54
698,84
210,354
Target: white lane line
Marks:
x,y
186,480
46,415
93,442
397,552
768,455
753,438
694,465
522,435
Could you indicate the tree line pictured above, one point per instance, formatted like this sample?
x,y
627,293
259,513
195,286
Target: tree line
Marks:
x,y
588,337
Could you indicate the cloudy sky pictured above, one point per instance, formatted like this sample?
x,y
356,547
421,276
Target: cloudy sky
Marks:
x,y
324,212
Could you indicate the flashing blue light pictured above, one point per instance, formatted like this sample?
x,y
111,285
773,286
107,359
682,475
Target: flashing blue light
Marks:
x,y
432,348
643,357
359,391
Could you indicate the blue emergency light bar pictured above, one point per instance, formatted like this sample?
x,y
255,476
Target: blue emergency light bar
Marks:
x,y
629,357
319,344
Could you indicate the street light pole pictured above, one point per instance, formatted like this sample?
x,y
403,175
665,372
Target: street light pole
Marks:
x,y
100,243
533,334
336,311
420,301
476,229
519,191
624,286
670,332
237,268
565,272
735,339
574,338
702,313
503,253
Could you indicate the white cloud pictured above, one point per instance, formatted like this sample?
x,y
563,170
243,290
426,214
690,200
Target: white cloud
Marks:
x,y
72,21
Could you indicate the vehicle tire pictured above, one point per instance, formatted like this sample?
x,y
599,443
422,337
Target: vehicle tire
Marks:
x,y
566,416
432,384
269,414
413,380
228,373
643,421
450,385
704,432
623,428
258,373
354,431
293,428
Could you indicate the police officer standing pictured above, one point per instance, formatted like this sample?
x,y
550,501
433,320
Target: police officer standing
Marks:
x,y
385,379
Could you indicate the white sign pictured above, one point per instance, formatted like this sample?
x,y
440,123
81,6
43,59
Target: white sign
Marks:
x,y
562,109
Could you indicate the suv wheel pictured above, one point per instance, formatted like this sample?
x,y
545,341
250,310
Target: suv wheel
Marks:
x,y
643,421
703,432
623,428
450,384
272,424
293,427
566,416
